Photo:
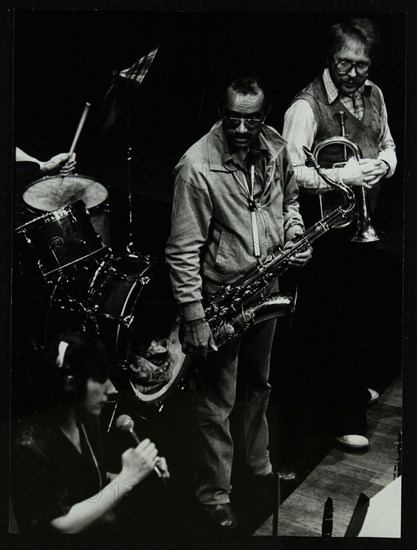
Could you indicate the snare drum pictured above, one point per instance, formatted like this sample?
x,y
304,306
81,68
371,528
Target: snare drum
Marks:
x,y
52,243
54,192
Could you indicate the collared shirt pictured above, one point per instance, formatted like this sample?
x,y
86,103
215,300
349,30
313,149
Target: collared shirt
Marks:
x,y
211,241
352,102
258,157
300,128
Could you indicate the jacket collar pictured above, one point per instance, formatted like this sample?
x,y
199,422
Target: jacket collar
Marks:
x,y
220,158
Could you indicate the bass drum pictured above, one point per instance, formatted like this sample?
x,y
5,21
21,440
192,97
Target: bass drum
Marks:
x,y
129,306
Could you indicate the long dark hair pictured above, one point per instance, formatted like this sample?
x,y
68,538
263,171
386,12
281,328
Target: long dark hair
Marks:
x,y
78,355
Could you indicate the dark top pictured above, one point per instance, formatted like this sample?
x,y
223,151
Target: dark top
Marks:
x,y
49,475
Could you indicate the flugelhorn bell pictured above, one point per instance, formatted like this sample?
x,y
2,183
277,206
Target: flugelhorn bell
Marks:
x,y
365,231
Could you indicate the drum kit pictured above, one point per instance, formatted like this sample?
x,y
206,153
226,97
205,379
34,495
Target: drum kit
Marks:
x,y
64,249
126,300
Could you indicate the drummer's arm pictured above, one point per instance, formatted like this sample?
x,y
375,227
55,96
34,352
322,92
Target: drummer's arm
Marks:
x,y
64,163
21,156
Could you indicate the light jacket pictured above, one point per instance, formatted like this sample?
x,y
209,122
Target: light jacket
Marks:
x,y
211,241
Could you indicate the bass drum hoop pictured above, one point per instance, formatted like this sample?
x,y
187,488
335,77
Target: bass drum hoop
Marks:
x,y
174,349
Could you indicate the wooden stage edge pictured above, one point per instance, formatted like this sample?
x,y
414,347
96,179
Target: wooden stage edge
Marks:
x,y
343,476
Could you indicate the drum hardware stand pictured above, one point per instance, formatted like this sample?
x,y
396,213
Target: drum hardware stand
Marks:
x,y
88,311
127,321
96,275
43,273
131,252
136,73
144,280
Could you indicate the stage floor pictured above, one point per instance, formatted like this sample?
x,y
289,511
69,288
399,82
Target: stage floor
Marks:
x,y
344,475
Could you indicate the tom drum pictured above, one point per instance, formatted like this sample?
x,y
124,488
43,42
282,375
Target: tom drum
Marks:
x,y
54,192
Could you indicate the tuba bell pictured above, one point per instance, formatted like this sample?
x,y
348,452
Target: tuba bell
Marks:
x,y
365,231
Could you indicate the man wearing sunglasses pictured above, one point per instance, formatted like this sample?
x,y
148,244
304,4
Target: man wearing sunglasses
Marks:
x,y
235,202
343,101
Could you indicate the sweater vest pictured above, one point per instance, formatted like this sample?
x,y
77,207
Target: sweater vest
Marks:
x,y
365,132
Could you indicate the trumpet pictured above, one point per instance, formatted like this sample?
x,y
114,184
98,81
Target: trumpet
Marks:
x,y
365,231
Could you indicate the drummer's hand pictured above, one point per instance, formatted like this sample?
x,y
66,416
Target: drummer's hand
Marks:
x,y
198,339
64,163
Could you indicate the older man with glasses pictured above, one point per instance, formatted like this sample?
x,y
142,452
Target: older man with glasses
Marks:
x,y
235,202
343,102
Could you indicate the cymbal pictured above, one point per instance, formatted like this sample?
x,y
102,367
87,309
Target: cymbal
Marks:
x,y
54,192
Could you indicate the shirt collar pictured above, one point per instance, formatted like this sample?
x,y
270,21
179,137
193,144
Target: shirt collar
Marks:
x,y
269,144
331,88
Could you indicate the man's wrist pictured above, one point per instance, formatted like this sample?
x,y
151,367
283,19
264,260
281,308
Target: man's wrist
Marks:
x,y
388,168
192,311
43,167
293,232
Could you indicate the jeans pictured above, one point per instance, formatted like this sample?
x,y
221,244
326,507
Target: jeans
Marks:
x,y
213,402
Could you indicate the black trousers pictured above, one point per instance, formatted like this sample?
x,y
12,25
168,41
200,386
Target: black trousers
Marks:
x,y
336,324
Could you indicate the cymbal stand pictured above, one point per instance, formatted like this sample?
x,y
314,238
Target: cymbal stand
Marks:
x,y
130,246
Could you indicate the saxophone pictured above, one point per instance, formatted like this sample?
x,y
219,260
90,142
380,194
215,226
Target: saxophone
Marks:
x,y
238,306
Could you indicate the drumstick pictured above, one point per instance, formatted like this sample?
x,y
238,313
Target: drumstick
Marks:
x,y
77,135
80,127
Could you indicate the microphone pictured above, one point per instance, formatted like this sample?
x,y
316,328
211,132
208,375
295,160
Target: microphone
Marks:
x,y
125,423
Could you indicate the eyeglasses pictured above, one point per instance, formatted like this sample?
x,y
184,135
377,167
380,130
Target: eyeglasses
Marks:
x,y
344,67
249,122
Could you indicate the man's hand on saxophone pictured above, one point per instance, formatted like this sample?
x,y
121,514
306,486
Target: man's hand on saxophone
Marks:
x,y
302,257
198,339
